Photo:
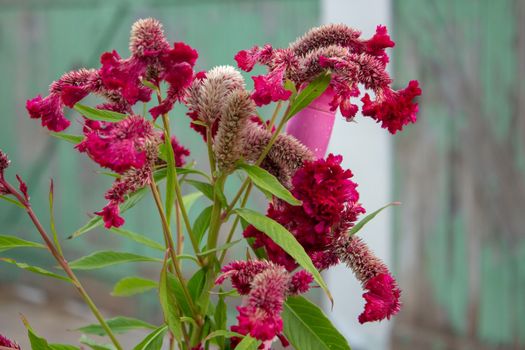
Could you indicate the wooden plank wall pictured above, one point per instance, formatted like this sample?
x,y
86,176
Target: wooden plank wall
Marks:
x,y
460,172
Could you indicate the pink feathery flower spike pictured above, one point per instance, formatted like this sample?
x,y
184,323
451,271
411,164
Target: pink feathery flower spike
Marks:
x,y
8,344
383,294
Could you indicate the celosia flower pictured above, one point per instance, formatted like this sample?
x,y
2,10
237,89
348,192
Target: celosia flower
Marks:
x,y
228,143
119,146
351,61
382,297
330,206
147,38
267,286
9,344
179,151
111,215
393,109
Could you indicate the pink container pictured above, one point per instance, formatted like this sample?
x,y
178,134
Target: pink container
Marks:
x,y
313,125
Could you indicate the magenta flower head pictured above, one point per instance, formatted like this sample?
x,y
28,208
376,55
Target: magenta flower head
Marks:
x,y
8,344
383,294
330,206
267,286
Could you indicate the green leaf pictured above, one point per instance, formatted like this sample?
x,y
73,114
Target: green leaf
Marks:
x,y
150,85
10,242
207,190
137,237
118,324
98,260
196,284
220,248
35,269
220,316
249,343
99,114
369,217
201,224
307,328
309,93
190,199
129,286
223,333
267,182
154,340
74,139
52,218
94,345
12,201
62,347
290,86
171,177
168,303
282,237
39,343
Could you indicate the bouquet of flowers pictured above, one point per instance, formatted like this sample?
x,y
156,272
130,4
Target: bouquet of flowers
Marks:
x,y
313,215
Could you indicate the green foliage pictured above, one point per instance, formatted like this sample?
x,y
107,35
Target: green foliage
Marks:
x,y
35,269
307,328
267,182
118,324
139,238
99,114
368,218
169,303
11,242
129,286
308,94
74,139
101,259
154,340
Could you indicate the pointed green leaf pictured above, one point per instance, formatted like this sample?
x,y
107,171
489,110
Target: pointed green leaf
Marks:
x,y
284,239
190,199
99,114
201,224
35,269
118,324
248,343
94,345
220,248
207,190
101,259
368,218
74,139
223,333
39,343
267,182
10,242
12,201
309,93
129,286
63,347
137,237
154,340
307,328
168,303
170,177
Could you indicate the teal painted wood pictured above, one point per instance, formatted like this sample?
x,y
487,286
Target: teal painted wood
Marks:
x,y
459,172
39,40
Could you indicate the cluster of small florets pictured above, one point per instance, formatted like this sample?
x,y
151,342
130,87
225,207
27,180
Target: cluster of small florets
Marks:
x,y
8,344
128,147
267,285
352,62
330,206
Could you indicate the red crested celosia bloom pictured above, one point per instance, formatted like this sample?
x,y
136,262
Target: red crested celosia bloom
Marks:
x,y
180,152
119,146
330,206
382,296
267,286
393,109
9,344
351,61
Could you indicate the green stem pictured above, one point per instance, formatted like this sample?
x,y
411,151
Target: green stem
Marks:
x,y
215,220
235,223
169,239
65,266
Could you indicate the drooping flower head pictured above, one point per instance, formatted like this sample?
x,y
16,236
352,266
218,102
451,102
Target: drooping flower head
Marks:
x,y
351,60
330,206
9,344
119,146
267,286
383,294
